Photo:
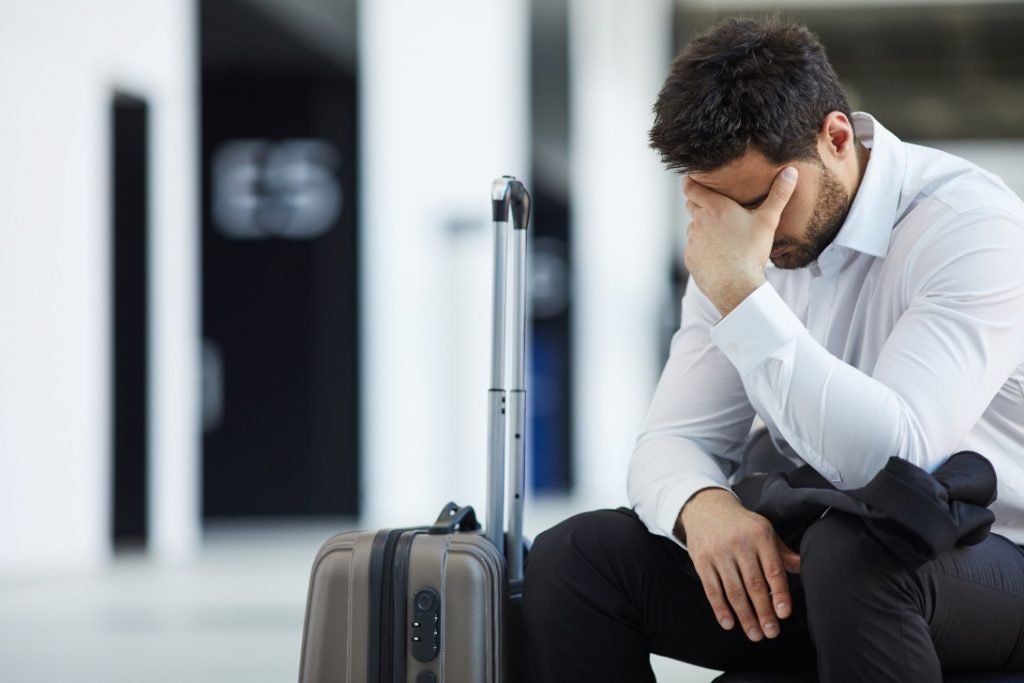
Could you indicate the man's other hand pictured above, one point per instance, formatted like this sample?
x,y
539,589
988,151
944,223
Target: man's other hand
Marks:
x,y
741,562
727,244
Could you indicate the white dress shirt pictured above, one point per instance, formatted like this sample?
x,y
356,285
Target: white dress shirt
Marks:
x,y
905,338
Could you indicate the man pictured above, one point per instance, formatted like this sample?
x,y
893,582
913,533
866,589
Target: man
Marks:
x,y
889,322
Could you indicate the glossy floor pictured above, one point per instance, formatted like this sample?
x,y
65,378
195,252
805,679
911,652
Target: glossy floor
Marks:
x,y
232,614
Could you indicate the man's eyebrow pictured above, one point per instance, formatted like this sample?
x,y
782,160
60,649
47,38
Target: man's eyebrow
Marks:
x,y
754,203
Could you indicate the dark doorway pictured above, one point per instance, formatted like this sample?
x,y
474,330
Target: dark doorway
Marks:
x,y
551,444
130,335
280,269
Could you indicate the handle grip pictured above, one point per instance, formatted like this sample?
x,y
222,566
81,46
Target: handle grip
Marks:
x,y
454,518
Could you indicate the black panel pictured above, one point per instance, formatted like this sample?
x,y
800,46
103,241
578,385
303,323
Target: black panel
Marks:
x,y
280,282
129,212
550,383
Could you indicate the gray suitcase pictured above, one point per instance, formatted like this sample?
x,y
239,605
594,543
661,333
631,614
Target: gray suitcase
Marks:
x,y
439,603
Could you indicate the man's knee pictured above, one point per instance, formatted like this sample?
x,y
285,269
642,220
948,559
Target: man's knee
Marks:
x,y
588,569
834,550
840,539
843,566
583,540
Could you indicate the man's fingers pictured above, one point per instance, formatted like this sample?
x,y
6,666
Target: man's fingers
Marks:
x,y
716,597
699,194
779,195
739,599
755,578
790,560
773,564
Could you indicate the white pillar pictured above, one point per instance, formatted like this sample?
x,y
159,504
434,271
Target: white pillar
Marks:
x,y
55,268
622,227
444,109
175,440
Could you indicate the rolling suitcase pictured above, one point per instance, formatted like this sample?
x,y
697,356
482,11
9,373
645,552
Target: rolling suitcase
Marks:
x,y
439,603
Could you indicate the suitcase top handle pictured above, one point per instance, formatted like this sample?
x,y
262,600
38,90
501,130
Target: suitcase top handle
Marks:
x,y
454,518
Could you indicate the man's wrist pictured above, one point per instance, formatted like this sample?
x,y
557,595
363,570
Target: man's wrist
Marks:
x,y
701,497
727,298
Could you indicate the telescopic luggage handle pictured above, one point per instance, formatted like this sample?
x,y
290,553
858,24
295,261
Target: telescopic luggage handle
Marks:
x,y
508,194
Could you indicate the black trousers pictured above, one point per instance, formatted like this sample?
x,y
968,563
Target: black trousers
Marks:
x,y
602,593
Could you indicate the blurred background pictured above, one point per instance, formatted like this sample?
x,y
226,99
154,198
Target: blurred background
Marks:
x,y
244,282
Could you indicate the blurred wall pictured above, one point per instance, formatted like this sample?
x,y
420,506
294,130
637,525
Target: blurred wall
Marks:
x,y
622,231
444,101
62,62
444,108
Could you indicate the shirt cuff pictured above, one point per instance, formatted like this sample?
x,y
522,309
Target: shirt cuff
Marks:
x,y
673,500
755,329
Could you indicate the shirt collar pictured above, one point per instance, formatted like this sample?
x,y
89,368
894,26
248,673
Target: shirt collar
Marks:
x,y
868,226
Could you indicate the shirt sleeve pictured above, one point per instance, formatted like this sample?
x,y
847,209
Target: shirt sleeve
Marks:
x,y
956,343
696,426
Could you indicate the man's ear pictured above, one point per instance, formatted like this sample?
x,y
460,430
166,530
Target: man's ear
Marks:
x,y
836,139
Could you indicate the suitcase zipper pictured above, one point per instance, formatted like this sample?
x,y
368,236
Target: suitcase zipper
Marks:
x,y
400,576
381,655
373,640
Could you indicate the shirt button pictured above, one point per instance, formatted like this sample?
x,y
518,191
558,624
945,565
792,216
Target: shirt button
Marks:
x,y
732,347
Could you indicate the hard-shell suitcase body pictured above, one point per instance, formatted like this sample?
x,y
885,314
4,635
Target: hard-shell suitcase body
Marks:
x,y
437,604
350,597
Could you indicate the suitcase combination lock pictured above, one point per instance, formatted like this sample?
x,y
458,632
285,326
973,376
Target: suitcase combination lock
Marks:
x,y
426,625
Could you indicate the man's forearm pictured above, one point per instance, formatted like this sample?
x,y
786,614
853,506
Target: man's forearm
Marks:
x,y
664,473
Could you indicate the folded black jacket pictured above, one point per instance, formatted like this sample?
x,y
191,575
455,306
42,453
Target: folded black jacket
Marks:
x,y
916,515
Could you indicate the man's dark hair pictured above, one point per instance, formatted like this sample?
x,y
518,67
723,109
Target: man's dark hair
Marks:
x,y
762,84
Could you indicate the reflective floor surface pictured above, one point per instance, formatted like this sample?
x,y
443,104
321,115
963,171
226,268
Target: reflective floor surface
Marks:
x,y
233,614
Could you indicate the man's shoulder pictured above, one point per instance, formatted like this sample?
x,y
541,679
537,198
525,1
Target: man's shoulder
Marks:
x,y
937,182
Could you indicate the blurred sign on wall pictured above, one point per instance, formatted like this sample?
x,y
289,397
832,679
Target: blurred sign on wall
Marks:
x,y
264,188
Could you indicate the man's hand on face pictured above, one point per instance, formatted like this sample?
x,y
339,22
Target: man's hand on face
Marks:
x,y
741,562
728,245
